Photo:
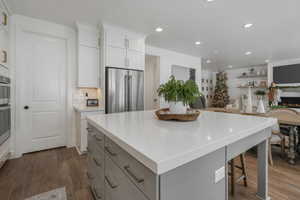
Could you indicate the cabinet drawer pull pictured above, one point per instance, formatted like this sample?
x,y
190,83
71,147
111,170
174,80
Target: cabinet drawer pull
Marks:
x,y
95,194
96,162
4,19
137,179
110,151
97,138
89,176
113,186
89,129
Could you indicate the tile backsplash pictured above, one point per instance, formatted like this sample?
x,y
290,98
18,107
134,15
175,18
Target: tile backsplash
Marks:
x,y
79,95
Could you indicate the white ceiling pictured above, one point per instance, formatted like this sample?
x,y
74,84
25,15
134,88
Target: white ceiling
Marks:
x,y
218,25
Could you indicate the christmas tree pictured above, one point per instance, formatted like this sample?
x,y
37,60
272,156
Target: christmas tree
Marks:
x,y
221,98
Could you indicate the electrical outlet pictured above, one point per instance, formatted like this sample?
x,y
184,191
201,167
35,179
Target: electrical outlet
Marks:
x,y
219,174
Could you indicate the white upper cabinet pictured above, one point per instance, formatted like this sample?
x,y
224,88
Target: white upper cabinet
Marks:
x,y
136,60
88,67
88,57
4,17
116,57
123,48
115,39
4,37
136,43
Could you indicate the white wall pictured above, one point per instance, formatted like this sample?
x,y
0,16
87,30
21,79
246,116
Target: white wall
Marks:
x,y
169,58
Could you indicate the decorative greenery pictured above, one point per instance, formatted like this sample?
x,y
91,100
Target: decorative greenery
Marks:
x,y
221,97
176,90
260,93
277,107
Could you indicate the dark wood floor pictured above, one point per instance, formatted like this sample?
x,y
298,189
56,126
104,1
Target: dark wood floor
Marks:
x,y
43,171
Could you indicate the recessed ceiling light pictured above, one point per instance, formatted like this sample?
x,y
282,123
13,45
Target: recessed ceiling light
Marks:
x,y
210,0
229,66
267,61
249,25
197,43
208,61
248,53
159,29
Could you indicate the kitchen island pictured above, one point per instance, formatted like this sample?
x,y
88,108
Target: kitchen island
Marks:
x,y
134,156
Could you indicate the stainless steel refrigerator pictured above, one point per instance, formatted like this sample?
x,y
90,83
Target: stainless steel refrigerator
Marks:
x,y
124,90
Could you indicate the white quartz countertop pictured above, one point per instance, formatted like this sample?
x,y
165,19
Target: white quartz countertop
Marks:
x,y
84,108
165,145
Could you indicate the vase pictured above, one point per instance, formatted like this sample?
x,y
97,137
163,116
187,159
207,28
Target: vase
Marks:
x,y
260,106
177,107
249,101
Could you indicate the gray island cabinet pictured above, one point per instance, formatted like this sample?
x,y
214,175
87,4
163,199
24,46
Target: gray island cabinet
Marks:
x,y
133,156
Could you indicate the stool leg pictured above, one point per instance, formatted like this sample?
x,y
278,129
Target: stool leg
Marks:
x,y
243,162
232,177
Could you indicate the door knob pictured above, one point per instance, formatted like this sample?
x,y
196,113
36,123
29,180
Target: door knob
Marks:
x,y
26,107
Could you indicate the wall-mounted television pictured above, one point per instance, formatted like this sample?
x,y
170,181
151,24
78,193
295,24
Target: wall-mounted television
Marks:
x,y
287,74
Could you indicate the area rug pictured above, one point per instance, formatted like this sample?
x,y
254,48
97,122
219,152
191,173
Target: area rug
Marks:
x,y
57,194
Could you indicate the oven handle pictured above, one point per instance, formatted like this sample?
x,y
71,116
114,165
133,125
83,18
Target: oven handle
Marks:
x,y
5,108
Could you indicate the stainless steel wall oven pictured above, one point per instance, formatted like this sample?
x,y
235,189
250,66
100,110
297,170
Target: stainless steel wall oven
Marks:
x,y
5,123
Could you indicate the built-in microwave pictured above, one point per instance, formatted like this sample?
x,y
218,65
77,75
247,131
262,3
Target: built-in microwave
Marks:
x,y
4,90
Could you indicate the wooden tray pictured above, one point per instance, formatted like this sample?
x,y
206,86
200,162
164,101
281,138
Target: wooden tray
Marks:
x,y
162,115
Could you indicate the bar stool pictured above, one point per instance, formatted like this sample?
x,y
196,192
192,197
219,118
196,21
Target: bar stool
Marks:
x,y
232,174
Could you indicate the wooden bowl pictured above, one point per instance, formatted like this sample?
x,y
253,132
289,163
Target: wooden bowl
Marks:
x,y
163,114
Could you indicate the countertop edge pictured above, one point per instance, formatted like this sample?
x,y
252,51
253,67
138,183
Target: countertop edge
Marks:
x,y
164,166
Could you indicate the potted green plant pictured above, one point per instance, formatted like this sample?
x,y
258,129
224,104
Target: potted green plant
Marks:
x,y
179,94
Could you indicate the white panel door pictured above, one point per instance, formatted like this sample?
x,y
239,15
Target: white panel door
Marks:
x,y
42,91
115,57
88,69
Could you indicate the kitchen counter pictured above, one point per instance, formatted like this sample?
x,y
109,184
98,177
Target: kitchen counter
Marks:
x,y
171,160
165,145
84,108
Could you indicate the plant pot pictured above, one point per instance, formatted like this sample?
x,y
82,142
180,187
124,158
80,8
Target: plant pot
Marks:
x,y
177,107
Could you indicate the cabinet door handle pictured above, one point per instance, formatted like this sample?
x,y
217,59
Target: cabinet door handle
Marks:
x,y
4,19
137,179
4,58
95,194
89,129
89,176
110,151
96,162
110,183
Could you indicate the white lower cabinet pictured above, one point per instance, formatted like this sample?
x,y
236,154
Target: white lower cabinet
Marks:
x,y
81,129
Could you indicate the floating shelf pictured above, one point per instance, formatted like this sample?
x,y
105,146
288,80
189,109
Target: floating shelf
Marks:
x,y
255,87
252,76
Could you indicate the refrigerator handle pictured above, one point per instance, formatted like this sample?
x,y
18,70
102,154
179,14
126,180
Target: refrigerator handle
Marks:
x,y
129,92
126,91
